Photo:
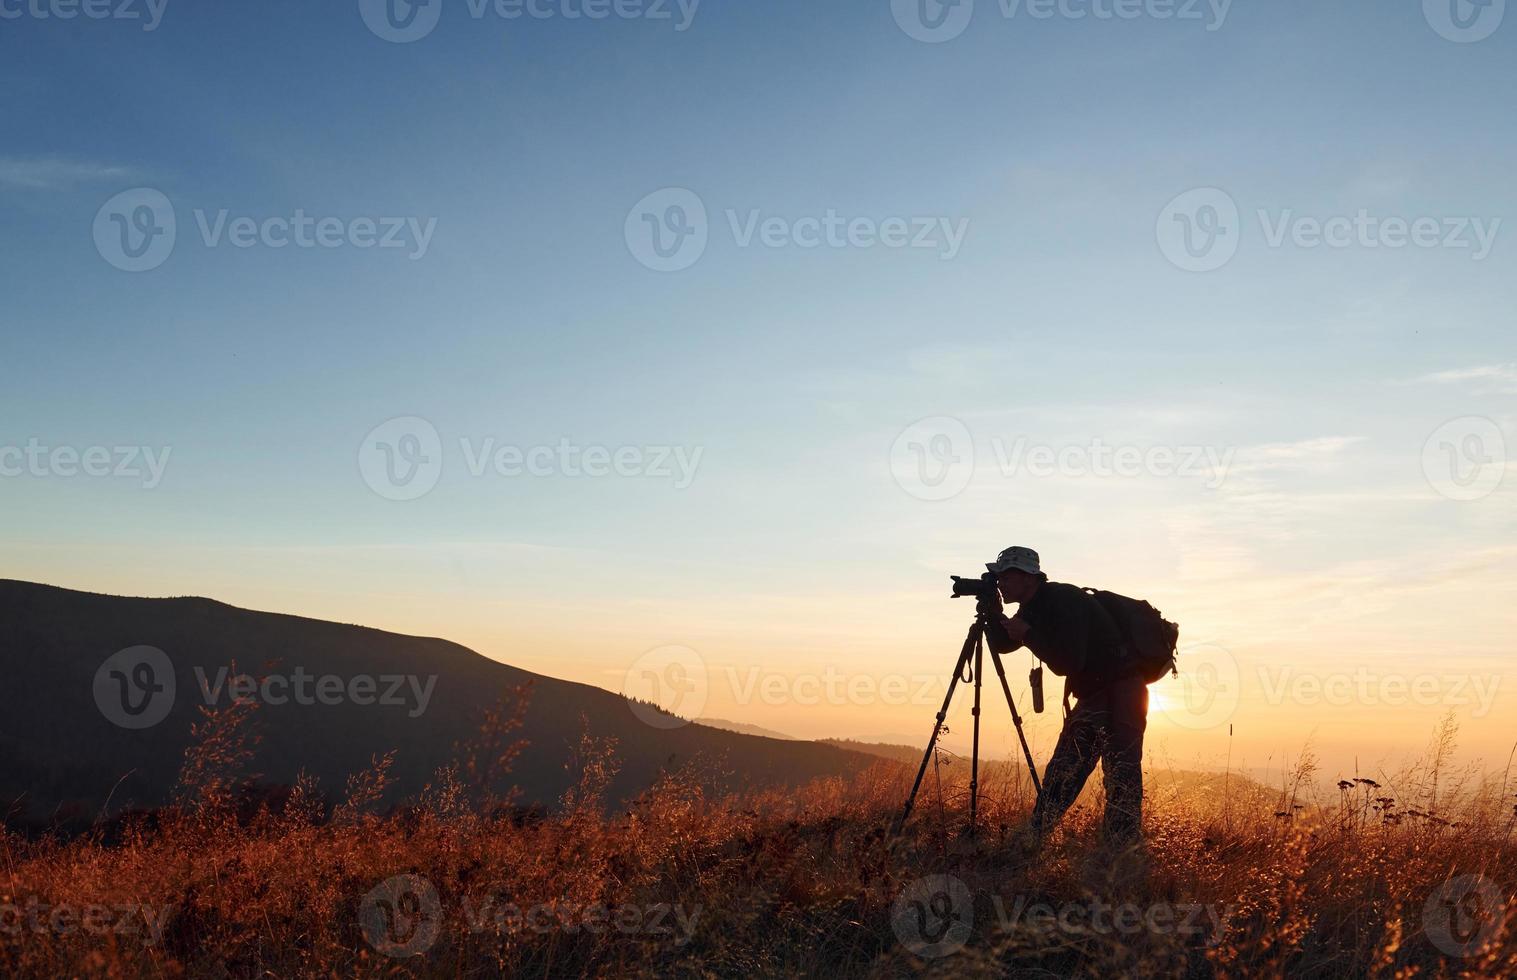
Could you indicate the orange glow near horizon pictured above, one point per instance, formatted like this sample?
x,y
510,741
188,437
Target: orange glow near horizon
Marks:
x,y
860,666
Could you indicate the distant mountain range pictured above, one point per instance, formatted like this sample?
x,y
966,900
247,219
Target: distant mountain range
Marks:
x,y
743,728
104,691
883,750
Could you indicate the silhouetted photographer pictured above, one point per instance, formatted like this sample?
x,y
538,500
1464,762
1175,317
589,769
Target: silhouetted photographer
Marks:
x,y
1108,648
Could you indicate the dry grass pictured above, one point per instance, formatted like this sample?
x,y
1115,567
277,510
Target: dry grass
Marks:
x,y
770,884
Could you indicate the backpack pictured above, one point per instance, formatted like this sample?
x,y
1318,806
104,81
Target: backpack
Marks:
x,y
1151,639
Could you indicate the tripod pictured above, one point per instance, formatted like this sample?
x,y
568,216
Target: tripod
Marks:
x,y
971,655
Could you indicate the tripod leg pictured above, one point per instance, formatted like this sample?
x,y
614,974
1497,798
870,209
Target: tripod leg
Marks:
x,y
937,727
1016,719
974,759
974,754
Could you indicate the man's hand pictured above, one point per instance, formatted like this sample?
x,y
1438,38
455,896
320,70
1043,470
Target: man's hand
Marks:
x,y
989,606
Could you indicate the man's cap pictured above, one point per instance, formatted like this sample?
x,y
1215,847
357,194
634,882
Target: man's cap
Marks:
x,y
1021,559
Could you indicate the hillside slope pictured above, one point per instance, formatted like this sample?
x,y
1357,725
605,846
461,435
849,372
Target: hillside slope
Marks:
x,y
65,757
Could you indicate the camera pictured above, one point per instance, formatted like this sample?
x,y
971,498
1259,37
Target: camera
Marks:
x,y
980,586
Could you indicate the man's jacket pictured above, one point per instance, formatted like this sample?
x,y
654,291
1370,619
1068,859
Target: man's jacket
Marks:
x,y
1073,635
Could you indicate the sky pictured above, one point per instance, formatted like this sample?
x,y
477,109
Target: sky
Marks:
x,y
686,350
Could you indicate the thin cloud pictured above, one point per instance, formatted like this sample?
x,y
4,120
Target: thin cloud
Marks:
x,y
1502,377
52,174
1288,455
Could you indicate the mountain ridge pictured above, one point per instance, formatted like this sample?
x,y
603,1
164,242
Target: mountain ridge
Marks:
x,y
68,755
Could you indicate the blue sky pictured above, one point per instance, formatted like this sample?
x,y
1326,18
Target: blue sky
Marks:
x,y
1056,143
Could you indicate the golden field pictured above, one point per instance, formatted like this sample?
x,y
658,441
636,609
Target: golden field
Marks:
x,y
1402,880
